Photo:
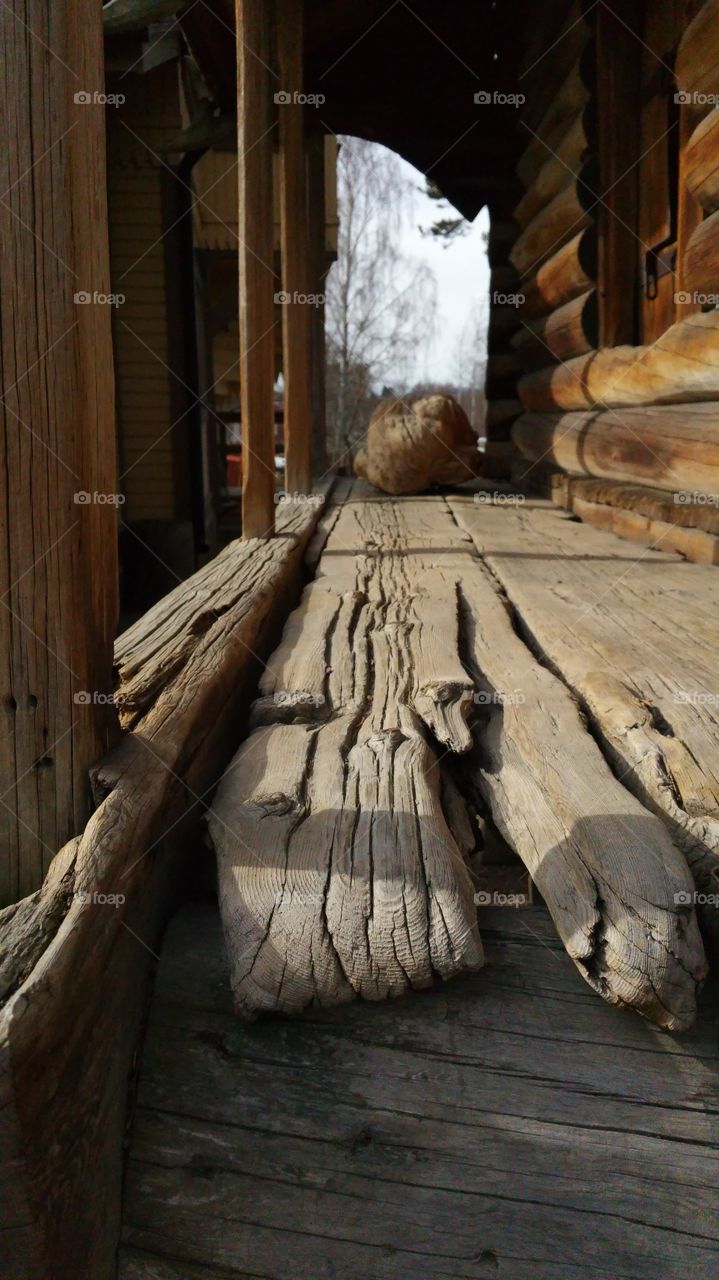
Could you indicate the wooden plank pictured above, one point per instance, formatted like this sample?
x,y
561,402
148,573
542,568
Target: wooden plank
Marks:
x,y
364,1142
670,447
590,603
681,366
693,544
336,884
294,240
255,126
652,503
75,960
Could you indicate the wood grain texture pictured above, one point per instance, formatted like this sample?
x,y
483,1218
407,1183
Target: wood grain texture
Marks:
x,y
567,274
694,544
58,554
565,333
255,127
697,64
294,241
453,1133
633,635
75,958
680,367
700,268
667,446
701,162
339,875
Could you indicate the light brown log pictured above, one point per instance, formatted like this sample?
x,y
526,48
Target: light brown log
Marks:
x,y
552,177
257,279
701,162
561,220
700,273
75,957
569,331
567,274
294,241
697,62
59,517
654,504
672,448
694,544
681,366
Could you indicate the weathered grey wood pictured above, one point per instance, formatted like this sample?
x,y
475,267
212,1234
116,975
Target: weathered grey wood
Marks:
x,y
338,873
633,635
670,447
88,937
451,1134
342,881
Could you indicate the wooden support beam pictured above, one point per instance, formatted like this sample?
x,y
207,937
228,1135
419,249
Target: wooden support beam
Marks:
x,y
255,123
59,515
317,216
294,240
619,55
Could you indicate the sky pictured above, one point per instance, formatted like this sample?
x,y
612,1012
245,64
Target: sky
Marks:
x,y
461,271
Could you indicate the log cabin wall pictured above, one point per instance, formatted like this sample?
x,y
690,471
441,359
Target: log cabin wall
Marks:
x,y
619,266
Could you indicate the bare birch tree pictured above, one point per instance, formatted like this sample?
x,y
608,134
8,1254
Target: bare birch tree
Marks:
x,y
380,302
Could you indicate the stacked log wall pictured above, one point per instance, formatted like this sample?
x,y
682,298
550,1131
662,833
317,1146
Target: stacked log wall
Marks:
x,y
595,406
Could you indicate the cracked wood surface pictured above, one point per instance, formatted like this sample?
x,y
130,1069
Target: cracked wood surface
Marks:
x,y
340,866
634,636
505,1126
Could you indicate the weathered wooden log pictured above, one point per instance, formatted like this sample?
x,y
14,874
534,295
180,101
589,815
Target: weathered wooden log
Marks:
x,y
570,99
697,62
76,954
559,221
569,331
672,448
568,273
700,271
602,864
681,366
552,177
701,162
693,544
344,881
653,706
548,64
323,892
653,504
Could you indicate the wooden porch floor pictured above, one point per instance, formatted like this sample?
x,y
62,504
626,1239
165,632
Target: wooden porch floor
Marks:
x,y
505,1126
508,1125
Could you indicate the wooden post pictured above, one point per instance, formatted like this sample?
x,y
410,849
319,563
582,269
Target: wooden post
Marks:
x,y
294,241
58,526
316,207
257,278
618,80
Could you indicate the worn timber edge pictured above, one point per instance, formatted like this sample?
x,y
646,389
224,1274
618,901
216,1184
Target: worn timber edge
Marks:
x,y
76,955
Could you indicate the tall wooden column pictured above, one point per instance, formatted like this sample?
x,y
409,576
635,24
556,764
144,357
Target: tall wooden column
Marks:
x,y
294,239
58,519
316,207
257,280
